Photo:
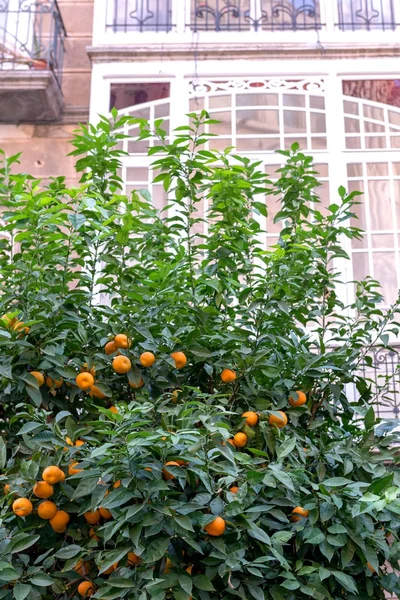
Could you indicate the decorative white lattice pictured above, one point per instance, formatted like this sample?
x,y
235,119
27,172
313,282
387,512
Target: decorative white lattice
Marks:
x,y
311,84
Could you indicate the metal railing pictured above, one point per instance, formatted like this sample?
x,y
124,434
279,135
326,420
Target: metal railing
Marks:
x,y
269,15
139,15
32,36
367,15
382,370
246,15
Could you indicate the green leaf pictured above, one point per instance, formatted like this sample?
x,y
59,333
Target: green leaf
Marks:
x,y
22,541
346,581
314,536
184,522
186,583
201,582
326,511
286,447
21,591
156,550
380,484
256,592
68,551
369,419
282,537
85,487
42,580
3,454
336,482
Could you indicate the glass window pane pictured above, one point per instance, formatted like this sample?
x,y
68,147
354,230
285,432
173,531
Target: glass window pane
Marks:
x,y
379,204
376,169
294,121
351,125
294,100
257,121
317,102
253,144
395,141
219,101
351,108
301,141
137,174
196,104
385,269
370,126
353,143
123,95
322,169
373,112
396,169
319,143
375,142
257,99
360,265
359,209
384,240
225,123
318,124
394,117
355,170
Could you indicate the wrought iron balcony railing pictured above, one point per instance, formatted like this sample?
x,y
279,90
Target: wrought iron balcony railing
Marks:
x,y
249,15
32,36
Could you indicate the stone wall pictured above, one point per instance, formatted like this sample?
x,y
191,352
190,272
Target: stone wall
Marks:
x,y
44,146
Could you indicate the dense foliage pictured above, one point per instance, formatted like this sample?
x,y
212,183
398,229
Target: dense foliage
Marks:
x,y
297,499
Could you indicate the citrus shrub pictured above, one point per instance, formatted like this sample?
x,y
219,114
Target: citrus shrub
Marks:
x,y
176,411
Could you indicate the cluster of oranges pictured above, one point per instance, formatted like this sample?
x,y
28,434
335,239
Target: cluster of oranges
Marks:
x,y
279,420
47,510
15,324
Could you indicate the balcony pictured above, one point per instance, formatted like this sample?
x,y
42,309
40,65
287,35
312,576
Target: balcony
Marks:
x,y
31,60
249,15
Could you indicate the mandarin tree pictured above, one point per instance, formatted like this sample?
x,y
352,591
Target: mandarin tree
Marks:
x,y
183,414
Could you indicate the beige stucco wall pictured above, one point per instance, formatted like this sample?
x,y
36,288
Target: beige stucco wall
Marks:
x,y
44,147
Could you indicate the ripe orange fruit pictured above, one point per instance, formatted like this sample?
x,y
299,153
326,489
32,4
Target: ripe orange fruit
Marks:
x,y
122,341
62,477
42,489
82,567
52,474
147,359
69,442
86,589
234,489
371,568
167,475
96,392
59,521
105,513
180,359
72,470
39,377
175,395
79,443
299,401
117,484
133,559
7,488
299,513
168,566
189,569
121,364
279,422
85,367
231,442
228,376
216,527
92,517
137,385
240,440
22,507
251,418
84,381
110,348
54,383
47,510
114,410
93,535
111,569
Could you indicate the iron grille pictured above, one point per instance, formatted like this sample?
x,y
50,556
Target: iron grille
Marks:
x,y
383,373
32,36
139,15
356,15
270,15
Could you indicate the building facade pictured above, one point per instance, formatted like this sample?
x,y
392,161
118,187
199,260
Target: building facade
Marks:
x,y
44,81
